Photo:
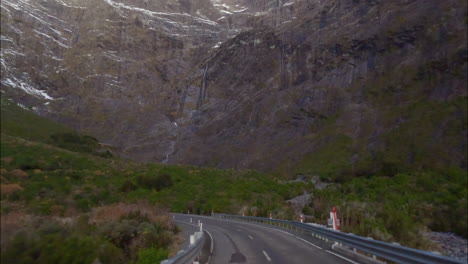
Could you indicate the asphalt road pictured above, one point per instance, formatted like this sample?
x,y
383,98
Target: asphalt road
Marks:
x,y
241,242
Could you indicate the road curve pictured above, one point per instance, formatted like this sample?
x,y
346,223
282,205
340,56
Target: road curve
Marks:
x,y
241,242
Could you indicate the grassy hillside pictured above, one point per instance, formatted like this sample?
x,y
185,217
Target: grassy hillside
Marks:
x,y
66,193
59,195
26,124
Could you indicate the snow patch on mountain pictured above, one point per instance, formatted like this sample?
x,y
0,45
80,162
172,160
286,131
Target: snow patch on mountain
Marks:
x,y
155,14
68,5
19,84
52,39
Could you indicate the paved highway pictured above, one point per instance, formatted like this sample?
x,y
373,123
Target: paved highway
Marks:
x,y
241,242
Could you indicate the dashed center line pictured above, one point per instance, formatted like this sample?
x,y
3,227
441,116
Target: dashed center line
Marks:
x,y
250,237
266,255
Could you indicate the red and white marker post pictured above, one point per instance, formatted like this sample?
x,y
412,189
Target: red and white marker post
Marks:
x,y
334,218
302,218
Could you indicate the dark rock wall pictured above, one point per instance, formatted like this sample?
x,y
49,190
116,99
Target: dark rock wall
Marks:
x,y
322,87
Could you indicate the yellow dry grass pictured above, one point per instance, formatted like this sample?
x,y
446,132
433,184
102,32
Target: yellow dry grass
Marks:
x,y
10,188
17,173
116,211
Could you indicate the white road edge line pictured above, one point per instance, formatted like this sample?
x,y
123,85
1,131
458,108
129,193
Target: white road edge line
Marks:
x,y
250,237
266,256
211,247
211,237
347,259
305,241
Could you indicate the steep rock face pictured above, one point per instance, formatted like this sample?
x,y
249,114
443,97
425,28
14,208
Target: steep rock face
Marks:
x,y
108,68
112,68
358,86
344,86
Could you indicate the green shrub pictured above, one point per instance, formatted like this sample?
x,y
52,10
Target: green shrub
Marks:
x,y
157,182
50,247
151,255
74,142
128,186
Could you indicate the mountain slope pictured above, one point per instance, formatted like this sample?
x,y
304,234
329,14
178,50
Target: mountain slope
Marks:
x,y
336,89
358,87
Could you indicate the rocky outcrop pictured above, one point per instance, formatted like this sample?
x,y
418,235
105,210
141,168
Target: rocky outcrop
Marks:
x,y
328,88
449,244
299,202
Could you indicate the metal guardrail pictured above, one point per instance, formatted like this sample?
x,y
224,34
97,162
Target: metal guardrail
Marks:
x,y
387,251
190,254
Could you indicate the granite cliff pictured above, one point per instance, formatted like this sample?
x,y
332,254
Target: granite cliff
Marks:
x,y
330,88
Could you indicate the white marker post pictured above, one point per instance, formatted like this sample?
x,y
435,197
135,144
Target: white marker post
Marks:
x,y
271,216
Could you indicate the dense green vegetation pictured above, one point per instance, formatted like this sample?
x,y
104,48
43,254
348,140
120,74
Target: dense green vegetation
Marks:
x,y
58,174
54,180
411,185
399,176
423,136
401,207
117,241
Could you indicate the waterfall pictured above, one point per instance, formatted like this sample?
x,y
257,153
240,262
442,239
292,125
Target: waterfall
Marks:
x,y
202,94
173,143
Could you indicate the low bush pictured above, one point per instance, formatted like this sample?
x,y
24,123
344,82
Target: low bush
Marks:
x,y
151,255
156,182
74,142
134,237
